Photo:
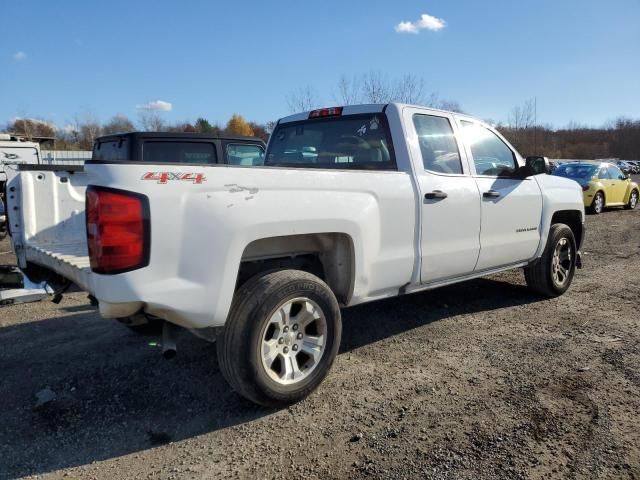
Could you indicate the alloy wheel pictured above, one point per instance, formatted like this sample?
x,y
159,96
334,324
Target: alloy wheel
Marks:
x,y
562,262
598,203
293,341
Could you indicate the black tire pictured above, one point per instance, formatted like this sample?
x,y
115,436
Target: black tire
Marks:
x,y
540,275
594,207
240,343
633,200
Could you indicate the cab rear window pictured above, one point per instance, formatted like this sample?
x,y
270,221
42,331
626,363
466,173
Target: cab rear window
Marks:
x,y
357,142
178,152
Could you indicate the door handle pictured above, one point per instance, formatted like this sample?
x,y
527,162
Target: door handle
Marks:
x,y
435,195
491,194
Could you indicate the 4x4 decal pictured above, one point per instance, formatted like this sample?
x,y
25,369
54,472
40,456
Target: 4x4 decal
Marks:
x,y
165,177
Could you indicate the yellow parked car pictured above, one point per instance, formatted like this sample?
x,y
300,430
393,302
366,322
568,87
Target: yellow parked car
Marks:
x,y
603,185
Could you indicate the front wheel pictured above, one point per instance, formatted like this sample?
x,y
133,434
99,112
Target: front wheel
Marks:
x,y
633,200
552,274
281,337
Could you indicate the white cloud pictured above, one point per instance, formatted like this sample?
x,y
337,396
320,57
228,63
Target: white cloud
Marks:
x,y
19,56
426,22
156,106
406,27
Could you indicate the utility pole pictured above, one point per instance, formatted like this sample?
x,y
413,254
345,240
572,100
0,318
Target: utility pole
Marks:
x,y
535,125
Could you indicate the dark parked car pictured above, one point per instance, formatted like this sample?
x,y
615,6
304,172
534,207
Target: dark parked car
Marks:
x,y
169,147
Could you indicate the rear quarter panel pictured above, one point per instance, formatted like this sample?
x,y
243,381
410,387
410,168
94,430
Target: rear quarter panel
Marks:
x,y
200,230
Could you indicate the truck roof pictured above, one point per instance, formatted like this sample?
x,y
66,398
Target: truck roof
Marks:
x,y
202,136
365,108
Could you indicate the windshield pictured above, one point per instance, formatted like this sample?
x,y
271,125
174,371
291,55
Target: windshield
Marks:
x,y
350,142
584,172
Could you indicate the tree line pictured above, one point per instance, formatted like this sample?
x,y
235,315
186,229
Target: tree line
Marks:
x,y
82,132
616,139
619,138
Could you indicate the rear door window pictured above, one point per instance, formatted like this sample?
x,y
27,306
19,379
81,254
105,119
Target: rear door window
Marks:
x,y
353,142
178,152
437,144
250,155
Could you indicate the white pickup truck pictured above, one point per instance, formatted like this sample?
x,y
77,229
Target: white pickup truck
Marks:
x,y
352,204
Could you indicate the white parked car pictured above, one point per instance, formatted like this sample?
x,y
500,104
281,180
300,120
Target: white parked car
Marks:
x,y
352,204
14,152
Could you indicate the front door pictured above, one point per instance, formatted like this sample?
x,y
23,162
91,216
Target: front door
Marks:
x,y
449,198
511,207
617,185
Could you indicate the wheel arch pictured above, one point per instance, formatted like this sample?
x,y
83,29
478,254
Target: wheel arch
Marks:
x,y
328,255
604,196
573,219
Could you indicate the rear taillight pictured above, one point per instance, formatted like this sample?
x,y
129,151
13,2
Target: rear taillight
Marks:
x,y
118,232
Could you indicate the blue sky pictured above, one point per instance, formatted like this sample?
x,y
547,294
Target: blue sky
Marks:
x,y
580,58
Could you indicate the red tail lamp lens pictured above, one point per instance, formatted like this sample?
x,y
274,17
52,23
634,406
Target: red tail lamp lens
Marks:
x,y
117,230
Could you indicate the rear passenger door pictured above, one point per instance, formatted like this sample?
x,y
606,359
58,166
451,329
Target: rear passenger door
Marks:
x,y
448,197
511,207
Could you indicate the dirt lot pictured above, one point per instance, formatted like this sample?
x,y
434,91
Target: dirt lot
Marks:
x,y
479,380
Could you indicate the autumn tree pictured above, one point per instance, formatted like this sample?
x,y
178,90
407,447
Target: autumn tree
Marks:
x,y
31,128
260,131
238,126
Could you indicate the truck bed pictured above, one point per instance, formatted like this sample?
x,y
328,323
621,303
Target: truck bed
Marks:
x,y
71,260
51,230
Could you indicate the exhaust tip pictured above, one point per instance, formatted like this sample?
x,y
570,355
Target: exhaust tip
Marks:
x,y
168,353
168,341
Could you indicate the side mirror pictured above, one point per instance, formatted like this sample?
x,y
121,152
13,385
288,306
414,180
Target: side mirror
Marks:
x,y
536,165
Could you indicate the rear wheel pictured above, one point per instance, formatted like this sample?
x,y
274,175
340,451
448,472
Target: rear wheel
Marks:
x,y
633,200
281,337
552,274
597,206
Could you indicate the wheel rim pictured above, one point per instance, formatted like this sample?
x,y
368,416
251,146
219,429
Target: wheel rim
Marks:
x,y
562,262
293,340
634,199
599,202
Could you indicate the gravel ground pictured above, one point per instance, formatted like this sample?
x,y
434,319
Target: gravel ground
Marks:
x,y
478,380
